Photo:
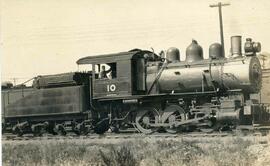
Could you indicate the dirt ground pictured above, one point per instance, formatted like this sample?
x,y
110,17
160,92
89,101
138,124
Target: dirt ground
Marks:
x,y
220,151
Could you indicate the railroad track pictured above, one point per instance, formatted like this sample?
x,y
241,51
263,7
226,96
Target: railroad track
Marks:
x,y
30,137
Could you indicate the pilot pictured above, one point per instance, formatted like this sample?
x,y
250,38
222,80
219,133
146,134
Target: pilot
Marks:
x,y
103,73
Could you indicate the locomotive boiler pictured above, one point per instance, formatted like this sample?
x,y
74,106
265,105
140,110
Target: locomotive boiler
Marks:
x,y
197,74
139,90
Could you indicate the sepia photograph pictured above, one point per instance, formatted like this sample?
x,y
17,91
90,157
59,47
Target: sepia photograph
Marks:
x,y
135,83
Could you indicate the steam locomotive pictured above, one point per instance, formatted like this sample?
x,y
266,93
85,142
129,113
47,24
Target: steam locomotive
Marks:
x,y
142,91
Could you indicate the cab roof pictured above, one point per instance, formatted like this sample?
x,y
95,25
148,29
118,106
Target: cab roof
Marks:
x,y
109,58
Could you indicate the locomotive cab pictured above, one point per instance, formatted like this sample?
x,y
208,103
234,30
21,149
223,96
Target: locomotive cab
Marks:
x,y
119,75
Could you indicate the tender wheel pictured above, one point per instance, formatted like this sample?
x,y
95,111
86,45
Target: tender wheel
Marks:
x,y
19,128
60,129
51,129
171,115
39,129
76,128
17,131
81,129
145,119
36,131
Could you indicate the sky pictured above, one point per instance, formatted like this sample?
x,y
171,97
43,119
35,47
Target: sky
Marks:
x,y
47,37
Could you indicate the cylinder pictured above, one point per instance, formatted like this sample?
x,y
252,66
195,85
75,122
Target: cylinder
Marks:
x,y
173,54
228,116
236,46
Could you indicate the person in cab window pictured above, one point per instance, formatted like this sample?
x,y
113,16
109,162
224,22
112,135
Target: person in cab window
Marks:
x,y
103,73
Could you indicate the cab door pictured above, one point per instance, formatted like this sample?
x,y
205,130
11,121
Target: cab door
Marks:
x,y
139,76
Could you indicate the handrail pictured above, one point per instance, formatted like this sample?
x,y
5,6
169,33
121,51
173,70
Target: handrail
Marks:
x,y
23,82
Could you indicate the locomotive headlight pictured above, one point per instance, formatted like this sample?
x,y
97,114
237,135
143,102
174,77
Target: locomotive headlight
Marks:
x,y
252,47
257,46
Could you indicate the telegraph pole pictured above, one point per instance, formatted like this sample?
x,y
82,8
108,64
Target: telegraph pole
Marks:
x,y
219,5
14,80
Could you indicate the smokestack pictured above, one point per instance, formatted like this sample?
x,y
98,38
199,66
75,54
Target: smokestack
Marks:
x,y
236,46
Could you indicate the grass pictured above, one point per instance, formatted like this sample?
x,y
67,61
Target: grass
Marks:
x,y
135,152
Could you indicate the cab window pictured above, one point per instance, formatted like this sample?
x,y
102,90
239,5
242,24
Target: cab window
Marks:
x,y
106,71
